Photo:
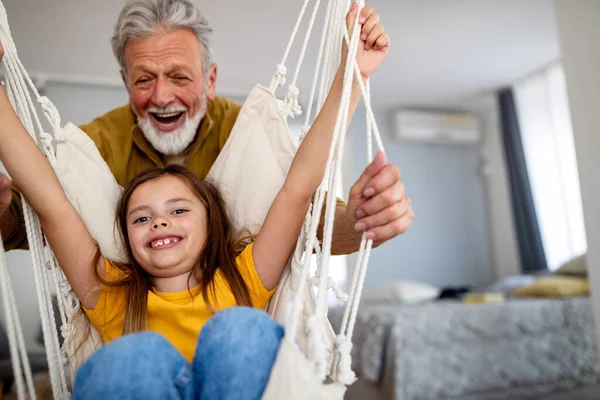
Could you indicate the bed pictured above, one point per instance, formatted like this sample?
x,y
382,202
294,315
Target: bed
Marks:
x,y
542,349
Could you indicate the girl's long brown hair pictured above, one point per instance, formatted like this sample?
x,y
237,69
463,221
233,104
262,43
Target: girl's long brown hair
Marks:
x,y
219,252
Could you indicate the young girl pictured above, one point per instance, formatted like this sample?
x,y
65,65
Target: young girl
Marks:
x,y
185,265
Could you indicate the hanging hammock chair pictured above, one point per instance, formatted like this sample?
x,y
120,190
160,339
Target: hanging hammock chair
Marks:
x,y
312,362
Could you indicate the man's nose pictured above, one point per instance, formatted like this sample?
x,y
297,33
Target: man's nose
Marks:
x,y
163,93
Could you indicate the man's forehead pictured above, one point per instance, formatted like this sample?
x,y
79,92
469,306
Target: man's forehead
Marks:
x,y
176,49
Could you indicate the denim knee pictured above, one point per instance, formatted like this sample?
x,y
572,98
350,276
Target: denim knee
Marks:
x,y
140,364
235,353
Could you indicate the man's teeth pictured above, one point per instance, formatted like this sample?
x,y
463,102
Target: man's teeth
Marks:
x,y
168,115
162,242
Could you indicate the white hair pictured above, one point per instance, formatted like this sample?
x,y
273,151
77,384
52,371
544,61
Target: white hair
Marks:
x,y
143,18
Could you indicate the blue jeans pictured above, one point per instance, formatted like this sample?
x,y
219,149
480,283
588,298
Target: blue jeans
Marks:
x,y
233,359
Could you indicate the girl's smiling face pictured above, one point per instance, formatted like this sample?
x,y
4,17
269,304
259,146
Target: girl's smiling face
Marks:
x,y
166,227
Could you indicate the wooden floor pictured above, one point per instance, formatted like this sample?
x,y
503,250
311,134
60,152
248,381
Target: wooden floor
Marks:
x,y
42,386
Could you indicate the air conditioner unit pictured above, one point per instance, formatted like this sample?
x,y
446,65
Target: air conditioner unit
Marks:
x,y
436,127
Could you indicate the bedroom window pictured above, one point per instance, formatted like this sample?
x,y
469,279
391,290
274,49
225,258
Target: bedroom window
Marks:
x,y
549,149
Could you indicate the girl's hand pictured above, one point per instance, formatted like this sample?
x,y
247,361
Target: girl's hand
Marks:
x,y
374,43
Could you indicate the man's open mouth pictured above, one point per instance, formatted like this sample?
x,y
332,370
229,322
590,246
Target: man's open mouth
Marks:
x,y
167,118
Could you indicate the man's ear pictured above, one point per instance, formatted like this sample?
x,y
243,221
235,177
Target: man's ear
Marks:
x,y
211,92
124,77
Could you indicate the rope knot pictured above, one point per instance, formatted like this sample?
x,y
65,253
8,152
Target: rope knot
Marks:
x,y
341,296
292,107
53,117
50,110
66,329
278,78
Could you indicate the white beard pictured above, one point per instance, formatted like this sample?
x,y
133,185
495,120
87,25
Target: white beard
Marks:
x,y
175,142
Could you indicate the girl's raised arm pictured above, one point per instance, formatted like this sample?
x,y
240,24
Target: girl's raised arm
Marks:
x,y
284,220
32,174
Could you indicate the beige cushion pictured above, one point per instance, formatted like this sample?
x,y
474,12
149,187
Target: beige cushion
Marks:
x,y
555,286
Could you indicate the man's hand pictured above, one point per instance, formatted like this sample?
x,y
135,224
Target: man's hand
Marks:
x,y
7,222
374,43
377,202
5,193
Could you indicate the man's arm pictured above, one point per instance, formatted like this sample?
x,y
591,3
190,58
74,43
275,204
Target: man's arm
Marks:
x,y
7,221
345,239
12,223
377,205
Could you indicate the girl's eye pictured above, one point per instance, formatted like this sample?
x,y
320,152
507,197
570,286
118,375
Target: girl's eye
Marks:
x,y
180,211
141,220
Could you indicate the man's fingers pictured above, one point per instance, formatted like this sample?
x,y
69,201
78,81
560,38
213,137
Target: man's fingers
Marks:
x,y
385,178
360,186
384,216
383,200
392,229
4,182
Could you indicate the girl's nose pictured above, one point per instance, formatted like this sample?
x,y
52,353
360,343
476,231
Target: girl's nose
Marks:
x,y
163,224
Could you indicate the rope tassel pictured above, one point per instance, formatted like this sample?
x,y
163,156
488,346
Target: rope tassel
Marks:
x,y
343,348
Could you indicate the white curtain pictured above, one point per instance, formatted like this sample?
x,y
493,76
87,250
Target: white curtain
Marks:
x,y
547,136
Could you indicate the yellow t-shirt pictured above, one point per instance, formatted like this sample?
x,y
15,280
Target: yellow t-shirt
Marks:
x,y
177,316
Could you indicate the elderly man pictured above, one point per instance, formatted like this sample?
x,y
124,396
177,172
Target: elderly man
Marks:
x,y
174,116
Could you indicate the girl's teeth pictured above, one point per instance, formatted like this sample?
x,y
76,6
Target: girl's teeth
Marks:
x,y
164,242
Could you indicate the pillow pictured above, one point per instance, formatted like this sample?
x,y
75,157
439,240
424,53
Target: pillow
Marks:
x,y
576,266
404,292
508,284
555,286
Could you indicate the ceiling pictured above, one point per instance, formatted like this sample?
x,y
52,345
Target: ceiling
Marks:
x,y
442,50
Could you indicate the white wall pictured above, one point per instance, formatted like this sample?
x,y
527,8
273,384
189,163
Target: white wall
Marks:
x,y
579,35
